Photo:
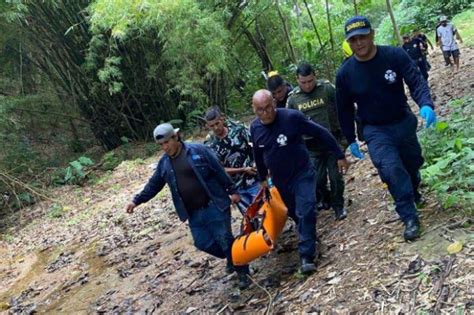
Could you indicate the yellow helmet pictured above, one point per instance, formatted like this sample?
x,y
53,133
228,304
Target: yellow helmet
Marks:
x,y
346,49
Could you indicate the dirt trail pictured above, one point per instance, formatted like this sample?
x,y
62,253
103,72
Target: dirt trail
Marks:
x,y
96,259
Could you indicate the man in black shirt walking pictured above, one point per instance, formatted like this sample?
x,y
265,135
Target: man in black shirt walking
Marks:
x,y
414,48
373,78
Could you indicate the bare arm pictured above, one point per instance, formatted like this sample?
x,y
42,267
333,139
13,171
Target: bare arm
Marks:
x,y
458,36
238,170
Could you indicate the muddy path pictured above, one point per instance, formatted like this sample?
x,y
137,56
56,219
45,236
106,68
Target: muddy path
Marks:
x,y
96,259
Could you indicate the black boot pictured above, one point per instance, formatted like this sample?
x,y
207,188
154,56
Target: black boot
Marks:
x,y
412,229
340,213
244,280
420,201
229,267
307,266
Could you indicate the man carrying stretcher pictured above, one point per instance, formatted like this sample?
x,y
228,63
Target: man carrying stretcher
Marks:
x,y
279,149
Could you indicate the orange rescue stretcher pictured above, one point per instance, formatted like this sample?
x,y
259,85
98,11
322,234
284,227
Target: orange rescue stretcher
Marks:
x,y
263,222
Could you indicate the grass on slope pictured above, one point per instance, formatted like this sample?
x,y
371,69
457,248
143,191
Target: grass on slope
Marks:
x,y
464,24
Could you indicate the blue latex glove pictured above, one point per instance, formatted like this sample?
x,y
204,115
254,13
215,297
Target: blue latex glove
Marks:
x,y
428,114
355,150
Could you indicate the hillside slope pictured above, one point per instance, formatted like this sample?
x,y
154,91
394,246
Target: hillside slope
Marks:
x,y
97,259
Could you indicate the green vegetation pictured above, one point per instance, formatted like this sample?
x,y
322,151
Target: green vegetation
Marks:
x,y
449,157
73,174
55,211
464,22
81,77
421,14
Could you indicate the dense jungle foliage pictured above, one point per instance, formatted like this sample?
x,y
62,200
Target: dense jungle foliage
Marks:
x,y
78,75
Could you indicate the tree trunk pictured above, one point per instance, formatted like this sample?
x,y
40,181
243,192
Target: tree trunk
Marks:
x,y
325,58
260,49
287,35
331,38
355,7
394,23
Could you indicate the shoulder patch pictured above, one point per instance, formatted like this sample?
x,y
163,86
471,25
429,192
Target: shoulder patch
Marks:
x,y
296,90
322,82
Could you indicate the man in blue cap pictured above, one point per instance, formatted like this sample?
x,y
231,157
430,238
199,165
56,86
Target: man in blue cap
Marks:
x,y
373,78
202,193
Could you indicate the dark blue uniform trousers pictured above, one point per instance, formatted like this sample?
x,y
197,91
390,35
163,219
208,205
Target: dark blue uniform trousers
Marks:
x,y
396,153
299,196
212,232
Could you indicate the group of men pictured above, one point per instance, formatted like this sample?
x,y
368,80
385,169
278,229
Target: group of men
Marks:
x,y
298,139
416,45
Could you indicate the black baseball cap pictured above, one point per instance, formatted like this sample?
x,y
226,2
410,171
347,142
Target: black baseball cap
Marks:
x,y
357,25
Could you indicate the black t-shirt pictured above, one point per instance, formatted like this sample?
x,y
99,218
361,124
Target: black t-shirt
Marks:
x,y
192,193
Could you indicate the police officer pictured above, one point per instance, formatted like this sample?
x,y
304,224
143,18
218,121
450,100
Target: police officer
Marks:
x,y
373,77
316,99
414,48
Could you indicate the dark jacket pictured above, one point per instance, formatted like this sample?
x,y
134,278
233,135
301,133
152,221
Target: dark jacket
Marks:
x,y
279,147
377,87
289,89
209,172
414,49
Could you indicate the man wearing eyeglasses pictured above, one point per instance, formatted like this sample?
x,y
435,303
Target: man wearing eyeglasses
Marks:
x,y
202,193
280,151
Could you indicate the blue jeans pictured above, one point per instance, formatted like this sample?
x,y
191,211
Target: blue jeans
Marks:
x,y
212,232
300,198
396,153
247,194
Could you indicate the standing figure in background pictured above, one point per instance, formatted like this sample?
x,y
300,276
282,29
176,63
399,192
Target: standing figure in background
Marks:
x,y
447,35
414,48
425,41
279,87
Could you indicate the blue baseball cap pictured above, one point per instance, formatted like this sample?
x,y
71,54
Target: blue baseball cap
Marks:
x,y
357,25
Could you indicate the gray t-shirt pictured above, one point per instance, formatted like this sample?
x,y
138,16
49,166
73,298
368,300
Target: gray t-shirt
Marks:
x,y
446,33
